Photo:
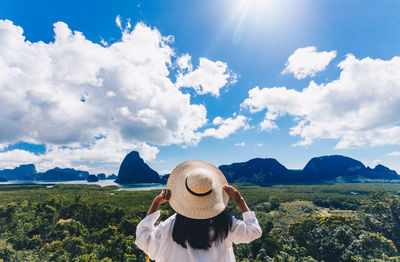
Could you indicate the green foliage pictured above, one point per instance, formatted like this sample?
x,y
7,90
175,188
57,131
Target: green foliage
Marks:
x,y
331,222
373,245
6,250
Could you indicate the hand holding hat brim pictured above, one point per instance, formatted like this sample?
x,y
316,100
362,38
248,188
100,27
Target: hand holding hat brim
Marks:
x,y
164,196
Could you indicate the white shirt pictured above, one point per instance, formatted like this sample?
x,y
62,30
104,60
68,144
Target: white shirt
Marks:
x,y
157,242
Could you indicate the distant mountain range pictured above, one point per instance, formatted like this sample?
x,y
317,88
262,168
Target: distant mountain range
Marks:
x,y
29,173
335,168
263,171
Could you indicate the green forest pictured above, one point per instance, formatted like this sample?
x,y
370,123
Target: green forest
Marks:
x,y
329,222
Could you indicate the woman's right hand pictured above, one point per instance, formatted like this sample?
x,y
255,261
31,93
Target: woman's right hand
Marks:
x,y
235,195
232,193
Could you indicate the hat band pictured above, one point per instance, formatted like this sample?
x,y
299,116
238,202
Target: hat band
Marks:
x,y
194,193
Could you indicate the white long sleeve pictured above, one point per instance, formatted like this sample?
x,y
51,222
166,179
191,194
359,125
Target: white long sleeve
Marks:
x,y
246,230
151,239
157,242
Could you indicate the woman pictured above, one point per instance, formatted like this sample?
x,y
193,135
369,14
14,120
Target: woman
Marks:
x,y
201,229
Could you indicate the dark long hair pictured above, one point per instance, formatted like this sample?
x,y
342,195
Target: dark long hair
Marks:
x,y
201,233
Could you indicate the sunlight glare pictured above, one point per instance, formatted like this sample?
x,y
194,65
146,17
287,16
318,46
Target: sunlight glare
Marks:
x,y
260,16
256,8
251,14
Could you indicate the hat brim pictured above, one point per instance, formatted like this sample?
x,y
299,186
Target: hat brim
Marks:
x,y
197,207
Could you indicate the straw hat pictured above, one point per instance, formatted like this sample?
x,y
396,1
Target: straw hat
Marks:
x,y
196,190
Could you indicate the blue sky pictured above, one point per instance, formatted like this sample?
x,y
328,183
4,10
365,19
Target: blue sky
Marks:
x,y
175,83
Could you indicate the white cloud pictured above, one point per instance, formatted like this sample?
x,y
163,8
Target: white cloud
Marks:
x,y
110,94
185,63
268,122
16,157
70,91
104,155
118,22
218,120
259,145
308,61
103,42
226,127
209,77
125,111
395,154
360,108
240,144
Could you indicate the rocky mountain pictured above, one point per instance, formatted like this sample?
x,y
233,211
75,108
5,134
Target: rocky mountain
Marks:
x,y
342,168
62,174
101,176
112,176
92,178
23,172
332,167
164,179
258,170
381,172
134,170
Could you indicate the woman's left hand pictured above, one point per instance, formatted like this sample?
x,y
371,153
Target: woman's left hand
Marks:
x,y
158,200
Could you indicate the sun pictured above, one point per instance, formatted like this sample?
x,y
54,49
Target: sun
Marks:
x,y
250,14
256,8
261,15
